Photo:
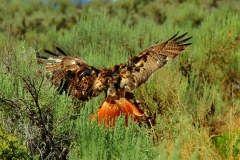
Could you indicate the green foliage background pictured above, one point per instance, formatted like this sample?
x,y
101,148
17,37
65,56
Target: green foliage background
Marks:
x,y
195,97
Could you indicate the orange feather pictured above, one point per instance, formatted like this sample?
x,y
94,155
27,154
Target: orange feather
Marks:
x,y
108,112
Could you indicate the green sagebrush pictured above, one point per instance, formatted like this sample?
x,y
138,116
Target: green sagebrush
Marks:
x,y
10,147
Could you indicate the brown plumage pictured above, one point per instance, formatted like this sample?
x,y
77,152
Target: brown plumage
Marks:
x,y
74,76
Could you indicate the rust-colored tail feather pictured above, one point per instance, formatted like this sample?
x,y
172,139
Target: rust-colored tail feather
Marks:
x,y
108,111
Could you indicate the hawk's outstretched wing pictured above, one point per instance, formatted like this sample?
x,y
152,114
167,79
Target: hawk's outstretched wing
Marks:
x,y
70,74
141,67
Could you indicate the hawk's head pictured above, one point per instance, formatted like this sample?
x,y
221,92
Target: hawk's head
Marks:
x,y
100,84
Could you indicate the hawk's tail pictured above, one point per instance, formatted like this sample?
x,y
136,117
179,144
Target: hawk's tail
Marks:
x,y
108,111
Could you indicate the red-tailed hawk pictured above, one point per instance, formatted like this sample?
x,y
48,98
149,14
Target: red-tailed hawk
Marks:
x,y
75,77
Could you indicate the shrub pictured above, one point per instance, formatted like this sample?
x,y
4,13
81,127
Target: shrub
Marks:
x,y
10,147
228,145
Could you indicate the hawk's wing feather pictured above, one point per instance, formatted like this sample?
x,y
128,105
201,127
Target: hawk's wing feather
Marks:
x,y
61,51
51,53
152,59
71,74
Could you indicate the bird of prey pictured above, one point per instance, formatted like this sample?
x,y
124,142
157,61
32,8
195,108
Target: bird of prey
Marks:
x,y
74,76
